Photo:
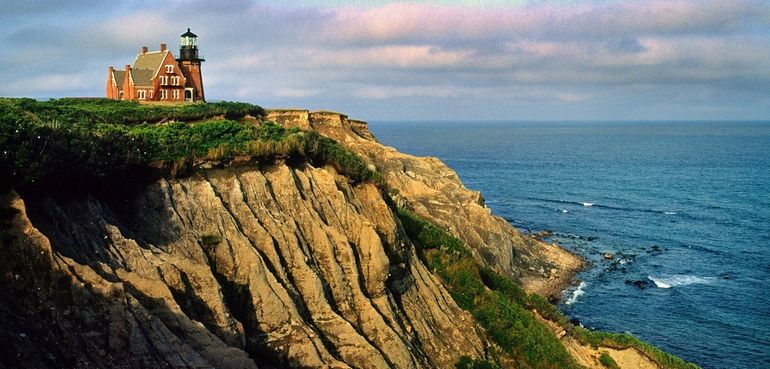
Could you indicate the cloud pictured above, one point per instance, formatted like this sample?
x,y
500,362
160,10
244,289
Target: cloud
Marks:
x,y
545,57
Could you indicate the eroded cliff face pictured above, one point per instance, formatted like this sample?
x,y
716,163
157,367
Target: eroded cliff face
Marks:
x,y
434,191
238,268
284,266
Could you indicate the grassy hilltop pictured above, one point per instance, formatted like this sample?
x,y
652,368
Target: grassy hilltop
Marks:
x,y
77,142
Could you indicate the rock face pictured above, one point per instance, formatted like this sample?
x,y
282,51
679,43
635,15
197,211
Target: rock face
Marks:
x,y
434,191
283,267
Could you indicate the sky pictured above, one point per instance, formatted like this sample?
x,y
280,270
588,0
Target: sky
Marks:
x,y
438,60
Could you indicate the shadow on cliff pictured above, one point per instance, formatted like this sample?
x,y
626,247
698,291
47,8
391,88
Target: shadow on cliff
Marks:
x,y
51,319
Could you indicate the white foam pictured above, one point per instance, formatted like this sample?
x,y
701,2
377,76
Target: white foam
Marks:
x,y
576,293
587,204
565,211
679,280
669,212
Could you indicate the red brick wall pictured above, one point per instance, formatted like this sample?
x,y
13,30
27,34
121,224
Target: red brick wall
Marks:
x,y
170,87
192,70
112,88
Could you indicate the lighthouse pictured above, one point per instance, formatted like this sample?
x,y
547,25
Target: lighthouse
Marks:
x,y
190,65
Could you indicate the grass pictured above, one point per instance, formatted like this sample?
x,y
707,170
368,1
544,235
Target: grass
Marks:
x,y
78,144
73,110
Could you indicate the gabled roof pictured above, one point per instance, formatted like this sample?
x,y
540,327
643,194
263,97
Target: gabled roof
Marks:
x,y
150,60
118,76
142,77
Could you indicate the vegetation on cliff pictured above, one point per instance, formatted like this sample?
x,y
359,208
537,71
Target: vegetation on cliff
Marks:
x,y
607,339
498,304
71,143
505,310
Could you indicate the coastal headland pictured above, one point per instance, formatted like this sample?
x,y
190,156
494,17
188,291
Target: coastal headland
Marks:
x,y
228,236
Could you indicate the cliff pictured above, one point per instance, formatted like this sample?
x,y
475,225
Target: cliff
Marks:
x,y
271,261
229,269
434,191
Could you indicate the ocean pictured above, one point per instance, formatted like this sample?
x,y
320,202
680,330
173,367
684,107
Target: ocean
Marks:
x,y
683,209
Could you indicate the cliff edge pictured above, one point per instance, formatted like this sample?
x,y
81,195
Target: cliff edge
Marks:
x,y
434,191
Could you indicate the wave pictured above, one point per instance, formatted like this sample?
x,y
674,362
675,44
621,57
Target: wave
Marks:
x,y
576,293
679,280
607,207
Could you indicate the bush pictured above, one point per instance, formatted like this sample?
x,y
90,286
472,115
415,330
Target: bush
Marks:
x,y
608,361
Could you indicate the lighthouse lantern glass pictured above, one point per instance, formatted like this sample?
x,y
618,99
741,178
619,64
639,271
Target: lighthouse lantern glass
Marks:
x,y
189,41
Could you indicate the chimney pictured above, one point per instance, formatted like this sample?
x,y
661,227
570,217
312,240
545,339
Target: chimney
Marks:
x,y
162,47
111,70
128,69
144,49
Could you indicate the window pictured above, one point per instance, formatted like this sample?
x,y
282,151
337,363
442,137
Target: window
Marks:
x,y
151,93
176,94
163,94
175,80
140,94
169,68
164,80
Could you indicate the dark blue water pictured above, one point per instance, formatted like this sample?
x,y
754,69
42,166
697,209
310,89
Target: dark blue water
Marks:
x,y
683,207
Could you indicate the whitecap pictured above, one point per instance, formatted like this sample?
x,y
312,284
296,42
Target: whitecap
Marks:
x,y
565,211
576,293
587,204
679,280
669,212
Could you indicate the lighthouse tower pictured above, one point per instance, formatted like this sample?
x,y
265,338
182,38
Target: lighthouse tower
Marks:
x,y
190,65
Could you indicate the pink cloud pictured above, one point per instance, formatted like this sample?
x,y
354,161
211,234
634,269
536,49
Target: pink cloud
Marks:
x,y
412,21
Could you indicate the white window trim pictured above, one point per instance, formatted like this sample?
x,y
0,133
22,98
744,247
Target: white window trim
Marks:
x,y
176,94
163,95
141,94
169,68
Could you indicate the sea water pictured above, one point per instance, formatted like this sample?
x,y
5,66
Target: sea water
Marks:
x,y
682,210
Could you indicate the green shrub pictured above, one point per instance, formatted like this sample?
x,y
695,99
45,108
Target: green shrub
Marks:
x,y
608,361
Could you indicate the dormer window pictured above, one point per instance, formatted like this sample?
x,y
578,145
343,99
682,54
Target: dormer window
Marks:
x,y
169,68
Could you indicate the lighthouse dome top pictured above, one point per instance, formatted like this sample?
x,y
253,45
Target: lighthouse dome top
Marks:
x,y
189,34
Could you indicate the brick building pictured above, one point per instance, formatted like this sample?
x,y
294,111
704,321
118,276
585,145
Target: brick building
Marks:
x,y
157,76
